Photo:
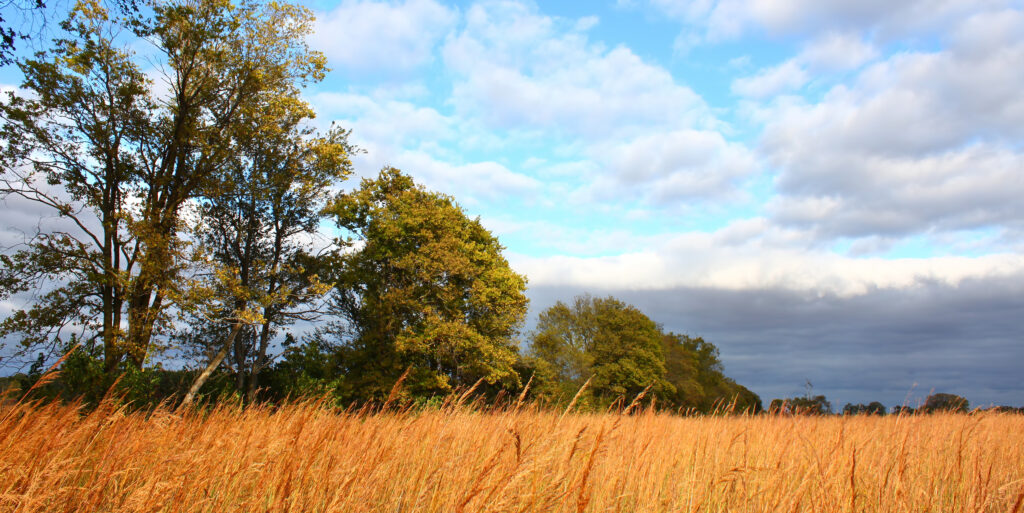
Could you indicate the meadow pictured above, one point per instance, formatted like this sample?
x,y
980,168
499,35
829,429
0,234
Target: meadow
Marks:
x,y
306,457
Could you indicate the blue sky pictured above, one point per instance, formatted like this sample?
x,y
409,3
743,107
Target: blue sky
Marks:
x,y
828,190
593,130
814,156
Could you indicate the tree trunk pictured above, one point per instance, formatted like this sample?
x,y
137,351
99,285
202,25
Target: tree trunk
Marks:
x,y
240,358
261,359
212,366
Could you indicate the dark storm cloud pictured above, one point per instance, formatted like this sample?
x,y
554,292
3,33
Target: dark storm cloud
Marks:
x,y
893,346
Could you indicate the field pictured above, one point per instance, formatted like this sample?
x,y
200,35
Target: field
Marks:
x,y
303,457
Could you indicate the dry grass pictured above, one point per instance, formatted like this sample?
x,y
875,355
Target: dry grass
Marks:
x,y
306,458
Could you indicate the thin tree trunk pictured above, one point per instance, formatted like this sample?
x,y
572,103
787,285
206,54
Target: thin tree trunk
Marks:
x,y
261,358
212,366
240,357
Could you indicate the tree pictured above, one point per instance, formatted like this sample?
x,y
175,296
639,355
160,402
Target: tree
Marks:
x,y
606,341
873,408
683,371
807,405
257,232
421,287
945,403
622,351
701,383
96,144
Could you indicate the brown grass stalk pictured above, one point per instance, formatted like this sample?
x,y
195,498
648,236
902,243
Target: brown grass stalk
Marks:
x,y
307,456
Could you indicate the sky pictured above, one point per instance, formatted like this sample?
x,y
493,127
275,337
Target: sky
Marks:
x,y
830,191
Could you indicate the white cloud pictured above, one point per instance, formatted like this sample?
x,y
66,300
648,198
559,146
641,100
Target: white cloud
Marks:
x,y
673,166
976,187
719,20
517,69
921,141
368,37
553,236
519,72
756,256
385,121
833,52
837,51
771,81
471,182
586,23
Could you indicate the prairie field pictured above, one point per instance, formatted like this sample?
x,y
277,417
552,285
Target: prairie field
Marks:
x,y
305,457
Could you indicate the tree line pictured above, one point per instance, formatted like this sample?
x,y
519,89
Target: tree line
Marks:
x,y
934,403
183,191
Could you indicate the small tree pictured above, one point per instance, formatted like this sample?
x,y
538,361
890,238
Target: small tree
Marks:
x,y
945,403
874,408
816,405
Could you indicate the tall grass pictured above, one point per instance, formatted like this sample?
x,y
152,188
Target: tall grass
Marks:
x,y
303,457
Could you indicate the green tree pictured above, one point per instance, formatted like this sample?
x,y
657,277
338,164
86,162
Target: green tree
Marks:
x,y
257,233
946,403
873,408
421,287
696,371
96,143
807,405
606,341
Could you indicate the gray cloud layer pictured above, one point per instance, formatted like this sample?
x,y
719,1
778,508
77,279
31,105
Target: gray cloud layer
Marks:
x,y
891,345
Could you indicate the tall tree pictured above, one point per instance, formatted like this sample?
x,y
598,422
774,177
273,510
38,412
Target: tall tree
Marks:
x,y
98,144
258,232
421,287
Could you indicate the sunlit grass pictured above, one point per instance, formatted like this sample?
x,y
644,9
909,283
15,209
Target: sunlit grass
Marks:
x,y
303,457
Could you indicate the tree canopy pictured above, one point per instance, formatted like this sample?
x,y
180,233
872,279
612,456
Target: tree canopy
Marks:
x,y
945,403
621,352
806,405
422,287
97,142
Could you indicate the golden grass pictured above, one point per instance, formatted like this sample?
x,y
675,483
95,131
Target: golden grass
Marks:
x,y
303,457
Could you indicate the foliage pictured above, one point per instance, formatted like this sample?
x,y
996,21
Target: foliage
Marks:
x,y
873,408
612,345
9,36
257,233
696,371
97,143
945,402
807,405
311,369
622,352
422,287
